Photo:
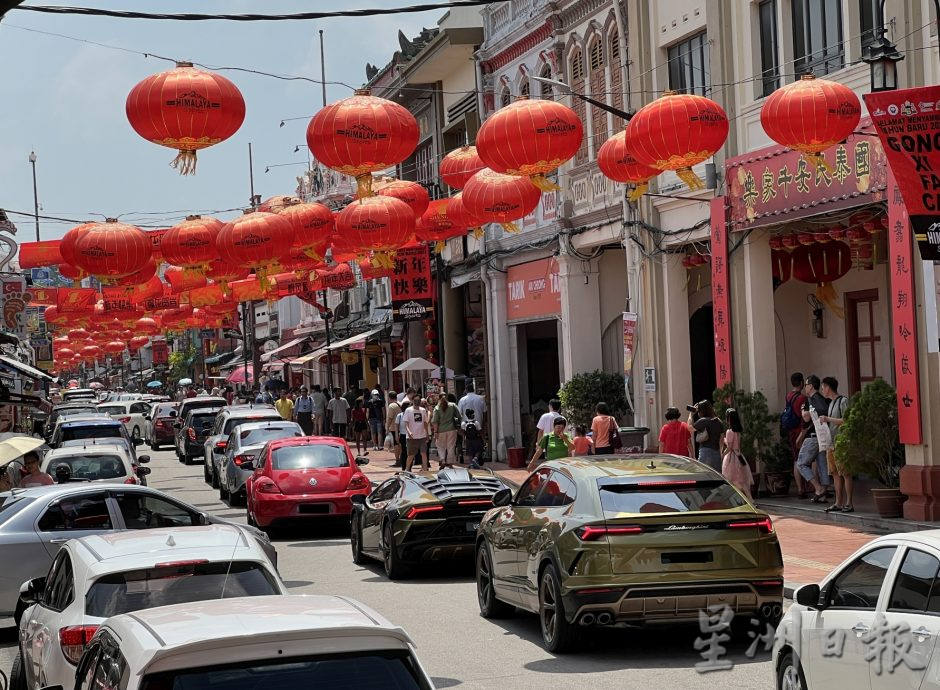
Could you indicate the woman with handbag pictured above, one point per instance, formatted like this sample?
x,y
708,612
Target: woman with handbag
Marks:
x,y
734,466
605,431
708,430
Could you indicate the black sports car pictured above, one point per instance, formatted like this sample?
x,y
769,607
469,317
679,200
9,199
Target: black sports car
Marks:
x,y
423,516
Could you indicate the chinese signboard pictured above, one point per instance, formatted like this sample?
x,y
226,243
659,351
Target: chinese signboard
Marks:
x,y
71,300
533,290
162,302
782,185
721,302
160,352
903,316
412,290
908,123
629,344
15,298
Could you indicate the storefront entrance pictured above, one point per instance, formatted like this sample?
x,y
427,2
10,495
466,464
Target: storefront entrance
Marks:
x,y
702,352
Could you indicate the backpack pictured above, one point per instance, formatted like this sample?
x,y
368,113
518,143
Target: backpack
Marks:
x,y
789,419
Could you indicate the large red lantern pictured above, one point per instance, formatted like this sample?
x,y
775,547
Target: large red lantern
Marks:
x,y
618,164
380,224
191,244
141,277
530,138
436,225
90,352
255,240
458,166
496,198
147,326
186,109
312,224
137,342
823,264
460,215
677,131
67,250
361,135
224,273
410,192
811,115
113,347
112,250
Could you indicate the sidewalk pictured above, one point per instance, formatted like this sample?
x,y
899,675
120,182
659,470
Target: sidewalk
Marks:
x,y
812,546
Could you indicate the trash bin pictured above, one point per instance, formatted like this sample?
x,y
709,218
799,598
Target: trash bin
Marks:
x,y
516,458
634,439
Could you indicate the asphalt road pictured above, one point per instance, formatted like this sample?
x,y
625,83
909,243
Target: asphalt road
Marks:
x,y
458,647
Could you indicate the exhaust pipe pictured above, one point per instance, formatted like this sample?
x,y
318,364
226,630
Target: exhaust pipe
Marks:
x,y
778,610
604,618
766,610
587,619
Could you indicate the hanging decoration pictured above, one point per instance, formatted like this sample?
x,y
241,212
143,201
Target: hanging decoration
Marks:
x,y
111,250
186,109
618,164
458,166
823,265
191,244
313,224
370,271
255,240
411,193
461,217
380,224
496,198
437,226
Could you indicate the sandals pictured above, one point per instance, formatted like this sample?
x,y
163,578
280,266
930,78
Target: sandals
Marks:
x,y
848,509
834,509
819,498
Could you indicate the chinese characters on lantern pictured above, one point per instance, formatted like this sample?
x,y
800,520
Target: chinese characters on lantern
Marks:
x,y
412,289
720,300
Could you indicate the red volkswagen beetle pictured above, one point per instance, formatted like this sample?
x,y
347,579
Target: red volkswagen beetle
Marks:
x,y
304,478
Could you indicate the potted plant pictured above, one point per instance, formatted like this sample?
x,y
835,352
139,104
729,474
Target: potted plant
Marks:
x,y
868,443
756,420
778,468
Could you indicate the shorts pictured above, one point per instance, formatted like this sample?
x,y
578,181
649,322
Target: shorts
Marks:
x,y
360,426
416,446
376,426
832,464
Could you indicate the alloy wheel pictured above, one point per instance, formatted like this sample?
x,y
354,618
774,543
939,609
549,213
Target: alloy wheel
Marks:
x,y
790,678
549,608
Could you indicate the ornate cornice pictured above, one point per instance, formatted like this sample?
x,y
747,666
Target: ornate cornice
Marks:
x,y
519,48
580,10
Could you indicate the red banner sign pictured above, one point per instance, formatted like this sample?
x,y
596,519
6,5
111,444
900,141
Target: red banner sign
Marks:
x,y
533,290
160,352
162,302
156,236
903,316
412,289
37,254
44,296
71,300
721,301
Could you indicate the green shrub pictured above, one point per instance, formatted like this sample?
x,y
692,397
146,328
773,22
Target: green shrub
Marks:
x,y
583,391
758,423
868,441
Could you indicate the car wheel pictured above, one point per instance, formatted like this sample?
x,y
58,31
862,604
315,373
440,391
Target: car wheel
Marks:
x,y
214,480
394,568
223,492
490,606
154,446
558,635
355,540
17,675
234,499
205,473
790,673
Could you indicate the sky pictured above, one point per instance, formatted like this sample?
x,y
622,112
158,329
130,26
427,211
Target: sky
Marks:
x,y
65,100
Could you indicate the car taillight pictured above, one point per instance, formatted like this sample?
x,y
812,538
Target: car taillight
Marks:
x,y
221,445
475,502
595,532
191,433
269,487
358,481
240,460
764,525
417,511
124,420
161,423
181,564
131,480
73,639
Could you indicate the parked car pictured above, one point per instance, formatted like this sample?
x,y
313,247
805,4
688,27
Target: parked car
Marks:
x,y
194,431
225,421
312,641
96,425
639,539
100,576
242,446
295,480
65,410
160,429
185,407
34,523
131,413
96,462
123,443
74,394
883,594
411,518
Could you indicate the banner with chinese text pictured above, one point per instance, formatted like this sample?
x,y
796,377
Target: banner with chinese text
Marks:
x,y
721,302
160,352
412,290
629,344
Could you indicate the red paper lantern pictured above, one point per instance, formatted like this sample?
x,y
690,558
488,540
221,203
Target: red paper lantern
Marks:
x,y
52,315
186,109
821,263
458,166
313,224
437,226
176,319
90,352
530,138
837,233
775,242
822,237
856,236
255,240
806,238
138,341
68,252
370,271
618,164
113,347
380,224
191,244
361,135
676,132
147,326
69,272
811,115
78,334
430,348
461,217
496,198
141,277
790,242
224,273
112,250
410,192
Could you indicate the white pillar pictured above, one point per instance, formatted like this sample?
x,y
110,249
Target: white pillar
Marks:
x,y
580,316
674,370
758,333
500,382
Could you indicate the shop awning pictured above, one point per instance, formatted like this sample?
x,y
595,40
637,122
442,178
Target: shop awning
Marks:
x,y
9,363
286,346
298,363
273,366
218,357
342,344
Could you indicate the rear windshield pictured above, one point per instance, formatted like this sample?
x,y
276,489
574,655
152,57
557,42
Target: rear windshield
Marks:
x,y
12,506
254,437
308,457
196,403
371,670
235,421
630,497
198,420
148,588
91,467
71,411
112,409
73,433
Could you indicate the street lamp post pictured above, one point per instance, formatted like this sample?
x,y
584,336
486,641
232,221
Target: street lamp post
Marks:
x,y
882,55
32,161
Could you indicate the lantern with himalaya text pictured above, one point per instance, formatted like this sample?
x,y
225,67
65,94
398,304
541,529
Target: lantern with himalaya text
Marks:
x,y
111,250
255,240
618,164
461,217
823,264
458,166
361,135
410,192
677,131
530,138
436,226
147,326
313,224
380,224
186,109
811,115
191,244
496,198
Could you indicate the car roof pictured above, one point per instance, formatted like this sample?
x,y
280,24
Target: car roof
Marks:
x,y
79,450
643,464
91,420
216,542
73,405
55,491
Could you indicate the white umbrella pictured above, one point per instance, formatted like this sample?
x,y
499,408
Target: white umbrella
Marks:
x,y
185,382
415,364
17,446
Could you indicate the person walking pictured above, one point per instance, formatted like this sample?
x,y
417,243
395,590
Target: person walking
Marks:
x,y
810,453
360,424
284,406
319,409
734,466
339,413
554,446
841,479
472,440
675,437
791,427
402,435
392,410
416,431
547,421
603,426
376,410
445,420
583,444
303,412
472,400
708,430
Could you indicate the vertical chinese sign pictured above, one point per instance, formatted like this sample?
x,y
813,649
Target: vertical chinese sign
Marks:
x,y
629,344
412,290
160,352
720,301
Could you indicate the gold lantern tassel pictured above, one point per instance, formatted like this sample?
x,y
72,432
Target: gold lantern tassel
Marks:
x,y
439,246
510,227
544,184
364,185
826,293
383,259
818,160
477,232
692,181
185,162
310,253
638,191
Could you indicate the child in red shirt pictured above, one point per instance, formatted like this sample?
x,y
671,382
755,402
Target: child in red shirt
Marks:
x,y
675,437
583,444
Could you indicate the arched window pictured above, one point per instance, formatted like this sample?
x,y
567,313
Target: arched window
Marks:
x,y
504,96
616,79
598,92
546,90
524,88
576,68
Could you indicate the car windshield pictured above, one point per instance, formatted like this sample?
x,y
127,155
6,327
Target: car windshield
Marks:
x,y
309,457
164,409
112,409
176,583
197,403
391,670
235,421
91,467
668,497
73,433
13,505
254,437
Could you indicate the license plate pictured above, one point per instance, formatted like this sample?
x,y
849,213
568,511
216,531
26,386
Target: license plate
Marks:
x,y
473,526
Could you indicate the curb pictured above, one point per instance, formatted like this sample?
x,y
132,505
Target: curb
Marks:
x,y
860,521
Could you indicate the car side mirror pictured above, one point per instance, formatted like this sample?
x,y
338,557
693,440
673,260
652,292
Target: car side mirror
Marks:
x,y
31,591
202,520
143,459
808,595
362,460
358,499
143,471
503,497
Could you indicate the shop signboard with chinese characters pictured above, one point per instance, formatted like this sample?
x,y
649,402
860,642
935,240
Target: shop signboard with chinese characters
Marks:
x,y
903,316
908,123
533,290
412,289
160,352
775,184
629,344
15,298
721,302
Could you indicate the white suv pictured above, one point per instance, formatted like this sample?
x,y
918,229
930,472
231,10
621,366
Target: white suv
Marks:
x,y
96,577
133,414
264,642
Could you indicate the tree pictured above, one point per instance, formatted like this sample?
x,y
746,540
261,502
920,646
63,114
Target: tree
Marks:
x,y
181,362
868,441
583,391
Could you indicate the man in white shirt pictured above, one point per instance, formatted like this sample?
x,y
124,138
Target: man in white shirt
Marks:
x,y
319,409
547,420
415,420
339,410
472,401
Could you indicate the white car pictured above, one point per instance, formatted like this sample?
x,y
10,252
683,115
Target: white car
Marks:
x,y
96,461
872,623
262,642
134,414
96,577
74,394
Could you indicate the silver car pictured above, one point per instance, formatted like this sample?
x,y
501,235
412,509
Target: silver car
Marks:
x,y
34,523
243,445
225,422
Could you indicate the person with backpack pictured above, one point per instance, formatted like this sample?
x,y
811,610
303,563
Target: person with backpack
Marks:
x,y
791,426
841,480
472,439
